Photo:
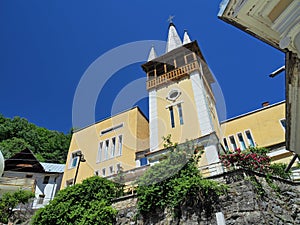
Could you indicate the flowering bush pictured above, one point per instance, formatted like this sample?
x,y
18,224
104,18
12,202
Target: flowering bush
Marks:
x,y
253,158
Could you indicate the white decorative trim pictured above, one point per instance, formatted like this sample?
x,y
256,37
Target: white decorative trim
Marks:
x,y
278,152
153,119
174,104
212,157
204,117
175,97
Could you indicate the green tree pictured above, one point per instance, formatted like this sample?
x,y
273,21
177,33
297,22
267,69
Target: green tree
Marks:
x,y
176,181
11,200
17,134
85,203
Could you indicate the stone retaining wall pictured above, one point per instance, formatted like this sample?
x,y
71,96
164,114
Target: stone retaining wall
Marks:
x,y
250,200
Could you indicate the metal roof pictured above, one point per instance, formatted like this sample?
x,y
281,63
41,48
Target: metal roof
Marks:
x,y
53,167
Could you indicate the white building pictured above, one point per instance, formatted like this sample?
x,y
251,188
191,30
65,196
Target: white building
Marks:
x,y
47,176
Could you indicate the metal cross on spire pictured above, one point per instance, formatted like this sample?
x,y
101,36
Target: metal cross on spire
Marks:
x,y
171,19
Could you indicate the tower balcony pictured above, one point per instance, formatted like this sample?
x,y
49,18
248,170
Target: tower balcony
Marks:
x,y
173,75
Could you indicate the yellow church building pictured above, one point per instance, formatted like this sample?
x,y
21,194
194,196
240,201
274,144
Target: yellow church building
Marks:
x,y
181,104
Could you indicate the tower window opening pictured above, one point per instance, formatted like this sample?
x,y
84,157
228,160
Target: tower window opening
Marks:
x,y
151,75
170,65
190,58
172,116
180,114
160,69
233,143
180,61
241,141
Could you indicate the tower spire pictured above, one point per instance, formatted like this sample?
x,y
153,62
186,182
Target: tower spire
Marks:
x,y
173,37
186,37
152,54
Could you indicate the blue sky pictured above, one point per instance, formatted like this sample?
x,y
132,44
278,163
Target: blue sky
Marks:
x,y
46,46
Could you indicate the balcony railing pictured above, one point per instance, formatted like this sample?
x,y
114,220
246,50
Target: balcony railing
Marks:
x,y
173,75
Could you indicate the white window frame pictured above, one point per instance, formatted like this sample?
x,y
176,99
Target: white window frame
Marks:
x,y
249,144
100,152
71,166
226,146
240,144
106,149
120,147
231,144
113,147
180,113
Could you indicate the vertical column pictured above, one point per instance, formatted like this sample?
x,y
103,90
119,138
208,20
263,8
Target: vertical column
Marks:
x,y
204,117
153,118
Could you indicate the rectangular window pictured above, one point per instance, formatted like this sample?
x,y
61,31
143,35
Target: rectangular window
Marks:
x,y
119,168
41,199
113,147
283,123
225,144
29,175
46,179
106,149
99,155
172,117
180,61
120,142
74,159
96,172
232,142
160,69
103,172
190,58
170,65
241,141
69,182
180,114
143,161
249,138
111,170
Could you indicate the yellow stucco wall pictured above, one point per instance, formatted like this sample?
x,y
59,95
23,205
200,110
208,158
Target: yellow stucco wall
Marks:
x,y
134,129
190,128
264,125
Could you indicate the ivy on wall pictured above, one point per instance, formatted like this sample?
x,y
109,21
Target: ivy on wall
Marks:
x,y
176,181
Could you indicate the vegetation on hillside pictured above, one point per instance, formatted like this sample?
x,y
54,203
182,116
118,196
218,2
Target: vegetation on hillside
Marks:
x,y
9,201
85,203
17,134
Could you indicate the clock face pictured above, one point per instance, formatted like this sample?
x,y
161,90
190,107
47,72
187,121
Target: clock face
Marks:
x,y
173,94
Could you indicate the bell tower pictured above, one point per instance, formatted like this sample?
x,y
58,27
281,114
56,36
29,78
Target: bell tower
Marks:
x,y
181,100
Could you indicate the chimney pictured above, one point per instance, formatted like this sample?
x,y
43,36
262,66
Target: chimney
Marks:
x,y
265,104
